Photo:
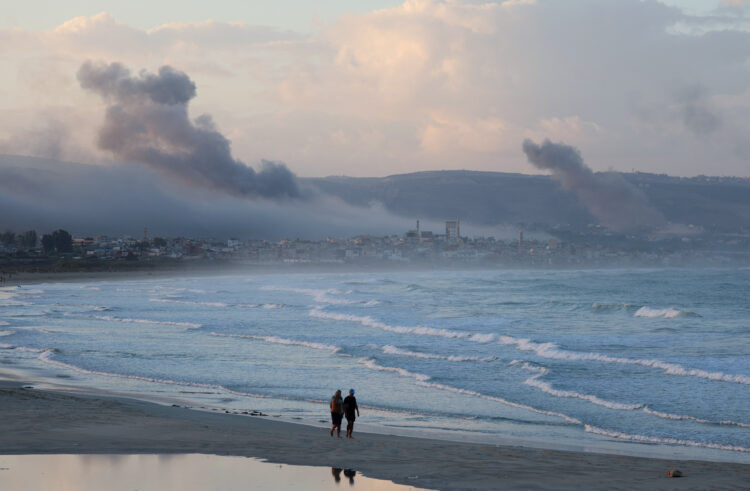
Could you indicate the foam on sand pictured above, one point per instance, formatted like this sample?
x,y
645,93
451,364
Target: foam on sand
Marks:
x,y
662,440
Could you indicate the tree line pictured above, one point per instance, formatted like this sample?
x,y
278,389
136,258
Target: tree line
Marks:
x,y
59,241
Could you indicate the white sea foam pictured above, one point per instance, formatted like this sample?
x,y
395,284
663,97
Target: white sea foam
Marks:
x,y
546,387
278,340
392,350
6,333
188,302
189,325
368,321
534,381
423,380
681,417
668,313
663,440
4,323
371,303
319,296
46,357
551,350
272,306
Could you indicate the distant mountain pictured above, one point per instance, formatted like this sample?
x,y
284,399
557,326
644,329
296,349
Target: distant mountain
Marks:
x,y
720,204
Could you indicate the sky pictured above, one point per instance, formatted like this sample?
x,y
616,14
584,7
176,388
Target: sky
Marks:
x,y
377,87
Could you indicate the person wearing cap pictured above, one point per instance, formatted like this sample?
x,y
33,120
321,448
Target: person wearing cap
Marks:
x,y
350,406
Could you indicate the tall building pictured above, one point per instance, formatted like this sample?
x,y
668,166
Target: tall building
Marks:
x,y
452,231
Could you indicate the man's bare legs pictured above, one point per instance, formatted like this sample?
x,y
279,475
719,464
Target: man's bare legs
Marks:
x,y
349,428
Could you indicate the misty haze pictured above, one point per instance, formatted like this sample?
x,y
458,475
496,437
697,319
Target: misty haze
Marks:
x,y
502,243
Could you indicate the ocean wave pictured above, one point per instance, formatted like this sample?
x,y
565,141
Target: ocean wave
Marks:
x,y
392,350
551,350
368,321
662,440
46,357
319,295
278,340
371,303
181,290
668,313
681,417
6,333
424,381
547,388
189,325
4,323
188,302
614,307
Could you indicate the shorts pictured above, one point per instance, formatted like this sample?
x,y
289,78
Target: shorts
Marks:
x,y
336,418
350,417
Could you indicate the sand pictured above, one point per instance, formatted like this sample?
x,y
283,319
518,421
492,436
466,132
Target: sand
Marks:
x,y
34,421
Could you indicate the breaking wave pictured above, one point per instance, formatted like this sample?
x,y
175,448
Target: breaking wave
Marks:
x,y
668,313
278,340
423,380
392,350
319,296
189,325
551,350
662,440
188,302
368,321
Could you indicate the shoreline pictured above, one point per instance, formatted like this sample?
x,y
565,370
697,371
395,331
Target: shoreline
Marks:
x,y
36,421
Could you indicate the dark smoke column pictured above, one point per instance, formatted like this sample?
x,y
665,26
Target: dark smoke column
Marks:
x,y
147,122
615,202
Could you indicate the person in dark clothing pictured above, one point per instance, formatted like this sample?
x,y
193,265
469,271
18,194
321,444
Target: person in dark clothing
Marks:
x,y
350,407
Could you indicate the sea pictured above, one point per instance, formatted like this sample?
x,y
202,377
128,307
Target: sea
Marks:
x,y
652,362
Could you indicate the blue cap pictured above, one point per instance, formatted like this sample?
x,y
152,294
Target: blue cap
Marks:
x,y
351,391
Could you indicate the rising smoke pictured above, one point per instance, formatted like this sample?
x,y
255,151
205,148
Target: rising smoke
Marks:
x,y
147,122
616,203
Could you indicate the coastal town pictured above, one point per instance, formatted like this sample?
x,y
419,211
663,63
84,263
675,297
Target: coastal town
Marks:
x,y
596,247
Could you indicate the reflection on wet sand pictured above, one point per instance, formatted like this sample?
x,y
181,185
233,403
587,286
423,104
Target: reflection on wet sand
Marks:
x,y
165,471
350,473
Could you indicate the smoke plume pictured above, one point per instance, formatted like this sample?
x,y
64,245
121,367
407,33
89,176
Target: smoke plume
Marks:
x,y
147,122
616,203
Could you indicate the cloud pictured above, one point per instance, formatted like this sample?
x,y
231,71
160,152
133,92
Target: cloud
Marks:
x,y
122,199
147,122
443,83
616,203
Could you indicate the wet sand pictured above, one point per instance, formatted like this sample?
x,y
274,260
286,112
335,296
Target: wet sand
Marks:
x,y
36,421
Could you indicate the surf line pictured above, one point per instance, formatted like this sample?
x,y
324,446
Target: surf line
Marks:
x,y
545,350
423,380
551,350
546,387
367,321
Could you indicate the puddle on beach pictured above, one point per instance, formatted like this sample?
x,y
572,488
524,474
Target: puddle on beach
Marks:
x,y
178,471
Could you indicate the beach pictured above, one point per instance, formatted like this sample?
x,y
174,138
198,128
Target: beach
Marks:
x,y
34,421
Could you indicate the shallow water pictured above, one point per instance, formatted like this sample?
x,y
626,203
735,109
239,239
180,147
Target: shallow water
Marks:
x,y
639,362
173,471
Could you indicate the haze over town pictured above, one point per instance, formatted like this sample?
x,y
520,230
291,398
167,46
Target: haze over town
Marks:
x,y
197,123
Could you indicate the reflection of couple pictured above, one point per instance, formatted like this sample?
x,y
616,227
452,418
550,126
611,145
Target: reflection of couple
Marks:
x,y
347,472
343,407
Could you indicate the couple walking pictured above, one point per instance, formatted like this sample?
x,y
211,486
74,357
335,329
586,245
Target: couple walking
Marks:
x,y
343,407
